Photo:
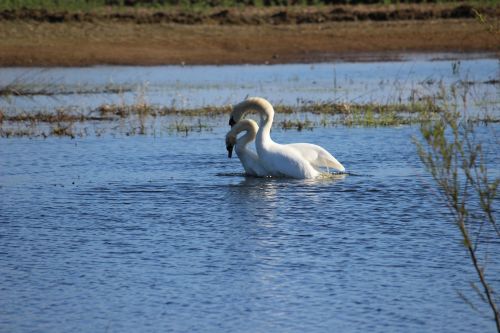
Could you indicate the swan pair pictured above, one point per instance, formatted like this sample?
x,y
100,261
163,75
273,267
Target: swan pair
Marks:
x,y
296,160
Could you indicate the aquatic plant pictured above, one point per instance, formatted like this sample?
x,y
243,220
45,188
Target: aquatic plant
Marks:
x,y
61,129
141,116
28,90
457,161
299,125
180,127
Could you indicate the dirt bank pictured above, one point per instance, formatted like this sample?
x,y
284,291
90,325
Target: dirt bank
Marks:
x,y
32,42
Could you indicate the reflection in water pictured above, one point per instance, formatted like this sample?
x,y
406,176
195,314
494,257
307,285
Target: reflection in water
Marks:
x,y
254,197
264,193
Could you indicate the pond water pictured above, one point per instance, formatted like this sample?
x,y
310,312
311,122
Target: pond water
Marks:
x,y
165,234
191,87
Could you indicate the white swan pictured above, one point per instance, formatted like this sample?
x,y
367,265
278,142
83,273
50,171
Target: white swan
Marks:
x,y
248,158
299,160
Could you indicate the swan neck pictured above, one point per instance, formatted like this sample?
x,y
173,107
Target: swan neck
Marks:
x,y
266,122
243,141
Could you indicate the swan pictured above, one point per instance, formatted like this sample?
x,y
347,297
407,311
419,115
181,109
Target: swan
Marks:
x,y
298,160
248,158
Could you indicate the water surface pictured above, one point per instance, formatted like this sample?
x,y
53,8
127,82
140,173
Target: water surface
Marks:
x,y
195,86
164,234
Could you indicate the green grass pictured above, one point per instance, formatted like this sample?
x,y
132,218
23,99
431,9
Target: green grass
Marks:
x,y
70,5
141,118
299,125
92,5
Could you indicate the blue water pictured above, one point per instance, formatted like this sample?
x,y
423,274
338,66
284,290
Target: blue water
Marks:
x,y
291,84
164,234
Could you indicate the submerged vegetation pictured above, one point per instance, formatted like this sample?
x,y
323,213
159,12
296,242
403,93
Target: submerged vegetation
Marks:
x,y
144,118
17,89
131,113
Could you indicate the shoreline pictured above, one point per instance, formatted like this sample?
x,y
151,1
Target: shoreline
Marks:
x,y
81,44
367,57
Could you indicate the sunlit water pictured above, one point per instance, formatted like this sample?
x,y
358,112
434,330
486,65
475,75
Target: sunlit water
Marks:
x,y
190,87
164,234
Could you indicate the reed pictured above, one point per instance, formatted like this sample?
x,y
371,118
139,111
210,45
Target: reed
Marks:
x,y
456,157
299,125
141,116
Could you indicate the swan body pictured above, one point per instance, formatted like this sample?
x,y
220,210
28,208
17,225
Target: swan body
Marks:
x,y
248,158
299,160
318,156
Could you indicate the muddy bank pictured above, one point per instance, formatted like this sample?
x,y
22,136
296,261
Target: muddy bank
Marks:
x,y
125,43
256,35
257,16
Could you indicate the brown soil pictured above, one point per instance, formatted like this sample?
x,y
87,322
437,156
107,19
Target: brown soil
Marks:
x,y
33,42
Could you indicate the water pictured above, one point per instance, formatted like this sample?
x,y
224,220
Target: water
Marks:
x,y
191,87
163,233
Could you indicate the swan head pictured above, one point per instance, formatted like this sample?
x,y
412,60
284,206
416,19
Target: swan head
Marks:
x,y
231,138
230,142
246,125
236,114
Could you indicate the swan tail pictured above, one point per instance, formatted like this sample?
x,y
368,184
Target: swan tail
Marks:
x,y
333,163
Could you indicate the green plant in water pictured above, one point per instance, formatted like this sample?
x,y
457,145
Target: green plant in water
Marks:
x,y
297,124
450,151
63,130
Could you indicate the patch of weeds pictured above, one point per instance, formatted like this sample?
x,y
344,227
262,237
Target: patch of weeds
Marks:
x,y
208,111
29,90
181,128
19,132
61,115
61,129
299,125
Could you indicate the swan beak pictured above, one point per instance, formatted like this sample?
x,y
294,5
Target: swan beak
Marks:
x,y
229,148
231,122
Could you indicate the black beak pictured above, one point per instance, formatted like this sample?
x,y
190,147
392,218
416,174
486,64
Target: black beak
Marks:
x,y
231,122
229,151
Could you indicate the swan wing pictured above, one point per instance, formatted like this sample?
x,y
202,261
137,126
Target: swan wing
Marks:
x,y
285,161
317,156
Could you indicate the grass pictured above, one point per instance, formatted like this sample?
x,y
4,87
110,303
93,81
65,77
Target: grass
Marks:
x,y
123,111
182,128
454,154
142,118
61,129
52,4
89,5
28,90
299,125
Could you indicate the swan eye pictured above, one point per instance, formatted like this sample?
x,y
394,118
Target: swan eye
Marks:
x,y
231,122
